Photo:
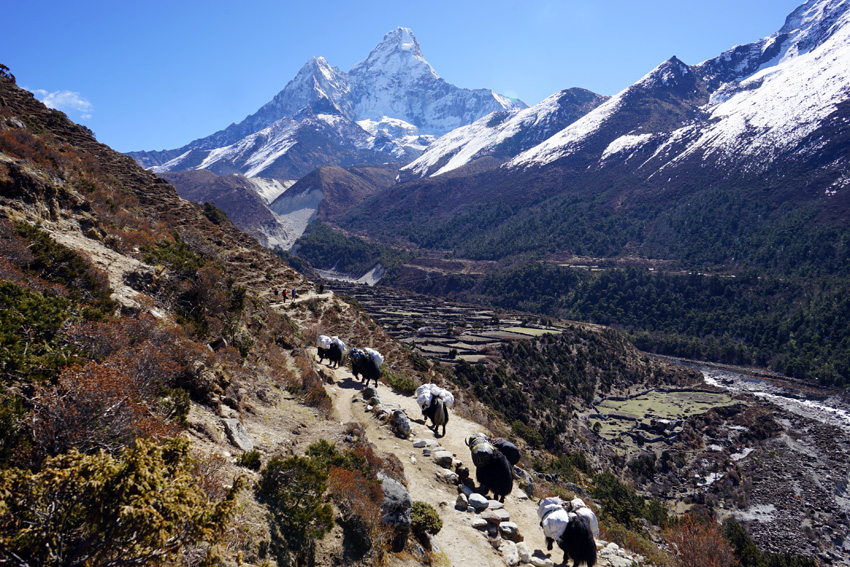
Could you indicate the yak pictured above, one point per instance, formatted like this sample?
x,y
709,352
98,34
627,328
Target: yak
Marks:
x,y
496,475
577,542
438,413
573,530
365,366
332,353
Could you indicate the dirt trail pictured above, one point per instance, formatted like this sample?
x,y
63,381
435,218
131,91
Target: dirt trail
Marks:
x,y
463,545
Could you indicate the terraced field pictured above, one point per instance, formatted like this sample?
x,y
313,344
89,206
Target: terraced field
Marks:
x,y
441,330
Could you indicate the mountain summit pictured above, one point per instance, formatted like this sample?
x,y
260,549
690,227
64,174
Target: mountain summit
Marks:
x,y
389,106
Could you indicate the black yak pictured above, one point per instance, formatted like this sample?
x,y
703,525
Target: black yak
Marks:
x,y
332,353
365,366
573,530
493,471
438,413
577,542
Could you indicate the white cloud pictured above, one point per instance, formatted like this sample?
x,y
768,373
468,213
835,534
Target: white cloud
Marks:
x,y
65,101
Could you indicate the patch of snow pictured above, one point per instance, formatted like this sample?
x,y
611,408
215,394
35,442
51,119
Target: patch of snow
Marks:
x,y
629,142
171,165
293,214
270,189
743,454
370,278
569,140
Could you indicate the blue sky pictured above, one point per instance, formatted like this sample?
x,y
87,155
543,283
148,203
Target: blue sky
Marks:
x,y
159,74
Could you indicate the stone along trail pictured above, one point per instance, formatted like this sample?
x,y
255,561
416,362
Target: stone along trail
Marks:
x,y
462,544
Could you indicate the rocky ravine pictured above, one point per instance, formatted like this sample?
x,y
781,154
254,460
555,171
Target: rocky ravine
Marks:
x,y
462,544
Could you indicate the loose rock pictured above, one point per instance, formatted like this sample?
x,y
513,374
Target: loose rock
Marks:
x,y
444,459
462,503
510,531
491,517
237,434
509,552
478,502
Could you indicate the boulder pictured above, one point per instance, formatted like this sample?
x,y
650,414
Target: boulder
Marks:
x,y
400,424
478,502
480,524
509,553
510,531
396,509
237,434
443,458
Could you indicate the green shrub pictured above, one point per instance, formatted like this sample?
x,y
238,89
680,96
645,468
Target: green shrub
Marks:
x,y
619,503
531,436
250,459
294,492
214,214
425,519
175,255
399,381
30,332
143,508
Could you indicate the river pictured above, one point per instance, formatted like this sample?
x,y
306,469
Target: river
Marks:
x,y
827,406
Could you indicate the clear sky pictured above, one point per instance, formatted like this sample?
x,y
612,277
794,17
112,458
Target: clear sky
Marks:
x,y
159,74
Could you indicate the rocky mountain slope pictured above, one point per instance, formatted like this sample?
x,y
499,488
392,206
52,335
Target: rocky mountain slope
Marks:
x,y
155,317
758,134
387,107
503,135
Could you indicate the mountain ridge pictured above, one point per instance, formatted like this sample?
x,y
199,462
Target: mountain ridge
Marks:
x,y
393,83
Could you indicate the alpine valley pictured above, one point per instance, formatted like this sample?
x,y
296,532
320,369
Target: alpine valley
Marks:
x,y
646,293
717,190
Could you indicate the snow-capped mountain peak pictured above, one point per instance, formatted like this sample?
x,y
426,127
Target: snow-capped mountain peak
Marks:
x,y
397,53
394,94
668,74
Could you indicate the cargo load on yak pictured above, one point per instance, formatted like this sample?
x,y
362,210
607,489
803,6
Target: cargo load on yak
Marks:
x,y
577,506
553,517
427,392
324,341
376,356
508,449
481,448
336,340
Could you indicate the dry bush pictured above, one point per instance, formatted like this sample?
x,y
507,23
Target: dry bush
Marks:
x,y
360,501
211,471
314,393
699,543
95,407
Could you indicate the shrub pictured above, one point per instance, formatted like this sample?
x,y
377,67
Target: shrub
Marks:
x,y
424,519
698,543
143,508
359,499
531,436
399,381
94,407
294,491
214,214
30,332
250,459
618,502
